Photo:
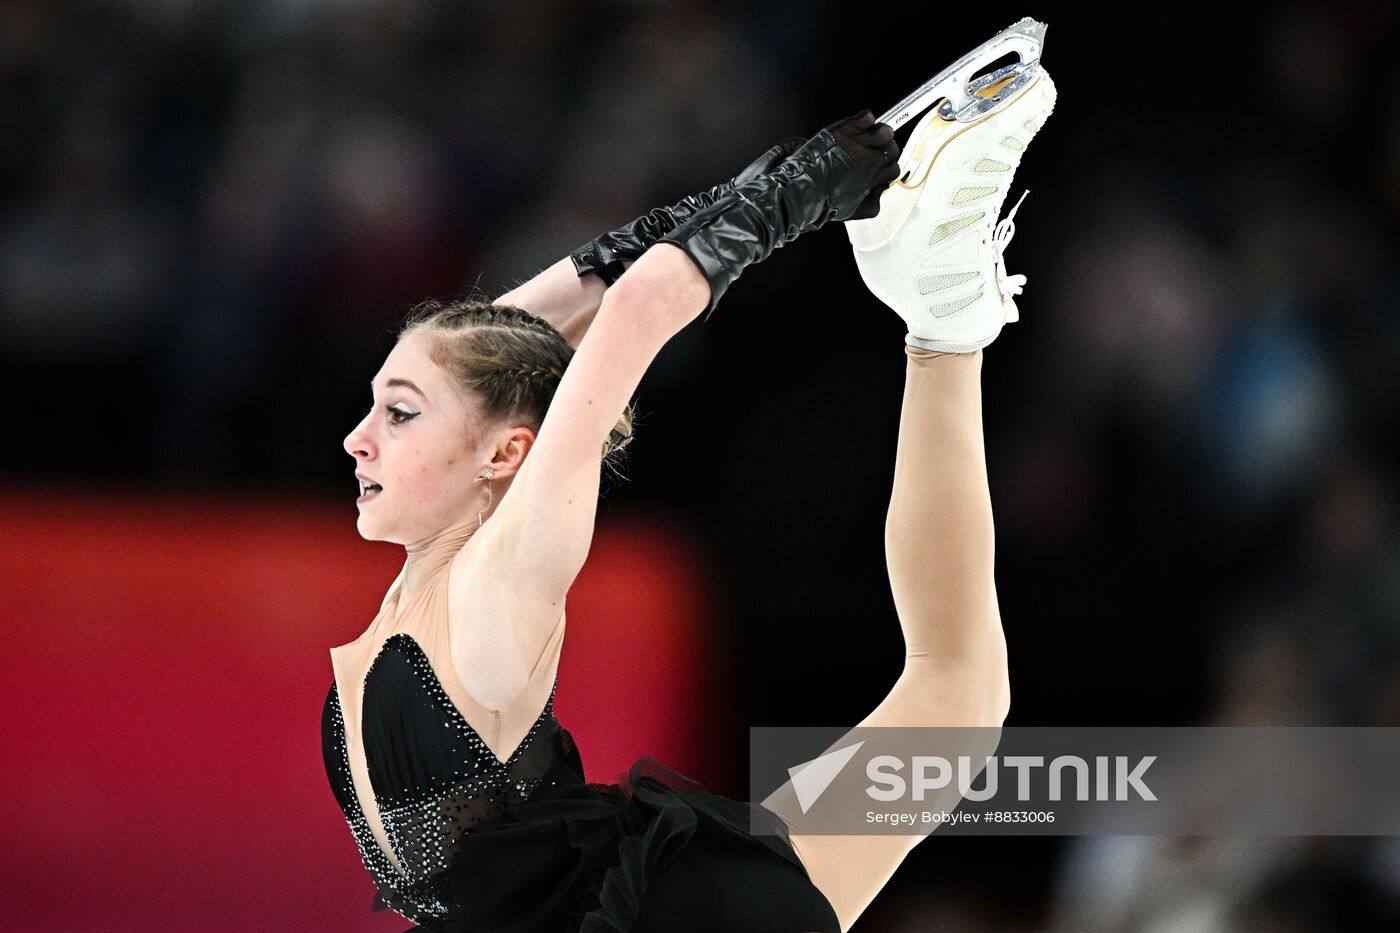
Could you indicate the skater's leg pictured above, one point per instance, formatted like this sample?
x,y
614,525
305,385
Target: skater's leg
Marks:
x,y
939,546
935,255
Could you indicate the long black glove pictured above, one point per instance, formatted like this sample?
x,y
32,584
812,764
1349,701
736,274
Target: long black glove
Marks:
x,y
837,175
605,255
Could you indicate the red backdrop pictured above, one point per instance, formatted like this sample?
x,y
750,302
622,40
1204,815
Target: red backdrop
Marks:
x,y
166,663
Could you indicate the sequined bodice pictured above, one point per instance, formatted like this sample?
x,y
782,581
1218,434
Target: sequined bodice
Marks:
x,y
434,778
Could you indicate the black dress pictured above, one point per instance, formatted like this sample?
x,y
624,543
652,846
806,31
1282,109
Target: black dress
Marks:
x,y
527,846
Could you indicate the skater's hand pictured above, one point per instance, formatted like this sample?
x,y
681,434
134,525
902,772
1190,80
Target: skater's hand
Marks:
x,y
873,156
836,175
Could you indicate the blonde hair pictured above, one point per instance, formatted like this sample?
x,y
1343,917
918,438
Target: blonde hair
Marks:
x,y
510,359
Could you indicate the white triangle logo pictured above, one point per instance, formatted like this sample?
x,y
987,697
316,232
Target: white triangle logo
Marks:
x,y
811,778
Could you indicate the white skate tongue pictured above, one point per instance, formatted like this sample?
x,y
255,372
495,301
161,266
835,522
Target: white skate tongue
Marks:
x,y
1009,285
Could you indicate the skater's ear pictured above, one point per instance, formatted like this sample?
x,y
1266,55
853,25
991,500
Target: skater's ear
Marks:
x,y
507,446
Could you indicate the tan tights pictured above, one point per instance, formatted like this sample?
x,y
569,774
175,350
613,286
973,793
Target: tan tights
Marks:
x,y
939,545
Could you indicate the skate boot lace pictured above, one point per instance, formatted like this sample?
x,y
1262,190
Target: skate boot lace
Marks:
x,y
1008,285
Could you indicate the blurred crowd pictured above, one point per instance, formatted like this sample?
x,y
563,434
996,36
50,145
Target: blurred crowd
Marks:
x,y
219,208
212,213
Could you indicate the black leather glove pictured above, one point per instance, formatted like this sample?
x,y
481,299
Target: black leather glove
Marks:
x,y
837,175
604,256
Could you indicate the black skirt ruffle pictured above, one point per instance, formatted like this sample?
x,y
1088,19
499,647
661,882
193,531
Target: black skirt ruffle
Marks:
x,y
654,851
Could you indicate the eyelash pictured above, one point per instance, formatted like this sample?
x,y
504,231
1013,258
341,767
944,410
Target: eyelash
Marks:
x,y
398,416
402,416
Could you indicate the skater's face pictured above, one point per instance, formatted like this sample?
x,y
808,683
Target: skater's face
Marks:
x,y
420,444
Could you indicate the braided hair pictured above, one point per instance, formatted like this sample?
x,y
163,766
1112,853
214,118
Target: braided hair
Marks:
x,y
507,357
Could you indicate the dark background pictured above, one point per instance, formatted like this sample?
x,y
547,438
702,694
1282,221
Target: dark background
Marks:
x,y
213,214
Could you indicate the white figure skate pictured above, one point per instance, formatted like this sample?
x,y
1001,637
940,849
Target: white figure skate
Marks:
x,y
933,253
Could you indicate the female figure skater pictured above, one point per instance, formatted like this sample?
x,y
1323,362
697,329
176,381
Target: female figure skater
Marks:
x,y
481,456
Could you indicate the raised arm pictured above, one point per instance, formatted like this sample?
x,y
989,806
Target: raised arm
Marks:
x,y
569,293
562,296
548,520
540,533
507,600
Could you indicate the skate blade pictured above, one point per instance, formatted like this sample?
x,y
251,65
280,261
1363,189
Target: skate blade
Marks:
x,y
955,86
939,130
930,138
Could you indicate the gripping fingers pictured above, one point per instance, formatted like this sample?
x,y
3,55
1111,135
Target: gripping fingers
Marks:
x,y
878,137
872,156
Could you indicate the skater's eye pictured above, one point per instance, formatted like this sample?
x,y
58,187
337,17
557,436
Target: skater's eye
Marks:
x,y
399,416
